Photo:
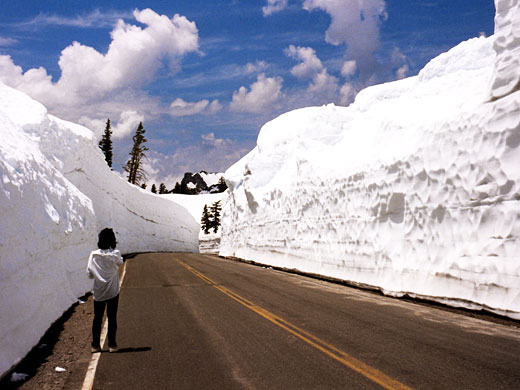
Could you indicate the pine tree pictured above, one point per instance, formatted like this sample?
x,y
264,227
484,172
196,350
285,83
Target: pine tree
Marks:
x,y
177,188
105,144
222,186
154,189
162,189
134,166
215,215
143,186
205,222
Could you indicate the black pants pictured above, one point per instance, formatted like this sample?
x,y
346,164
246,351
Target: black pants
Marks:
x,y
99,310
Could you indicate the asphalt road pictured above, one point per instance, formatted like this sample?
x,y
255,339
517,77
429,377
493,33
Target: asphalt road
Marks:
x,y
189,321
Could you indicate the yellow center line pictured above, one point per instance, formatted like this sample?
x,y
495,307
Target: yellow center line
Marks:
x,y
357,365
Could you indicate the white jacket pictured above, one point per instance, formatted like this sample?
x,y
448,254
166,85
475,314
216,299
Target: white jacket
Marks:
x,y
103,266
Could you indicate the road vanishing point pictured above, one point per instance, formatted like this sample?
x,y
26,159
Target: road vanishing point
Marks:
x,y
196,321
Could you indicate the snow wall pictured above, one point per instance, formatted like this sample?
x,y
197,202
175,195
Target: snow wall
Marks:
x,y
56,194
413,189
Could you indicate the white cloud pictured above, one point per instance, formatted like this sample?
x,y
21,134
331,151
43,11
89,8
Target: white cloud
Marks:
x,y
4,42
127,124
133,57
214,107
349,69
402,72
94,19
94,86
400,61
262,95
258,66
347,94
121,128
180,107
274,6
324,85
310,64
356,24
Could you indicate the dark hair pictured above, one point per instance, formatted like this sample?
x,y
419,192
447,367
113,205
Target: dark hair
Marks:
x,y
107,239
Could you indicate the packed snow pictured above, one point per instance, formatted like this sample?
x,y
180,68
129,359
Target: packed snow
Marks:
x,y
413,189
56,194
208,243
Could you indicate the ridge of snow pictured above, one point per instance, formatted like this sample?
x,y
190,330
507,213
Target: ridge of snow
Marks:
x,y
56,194
413,189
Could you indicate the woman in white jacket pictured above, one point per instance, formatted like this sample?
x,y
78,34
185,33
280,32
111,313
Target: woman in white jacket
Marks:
x,y
103,266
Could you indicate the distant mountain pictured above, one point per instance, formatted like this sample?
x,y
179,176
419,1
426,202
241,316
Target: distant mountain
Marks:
x,y
200,183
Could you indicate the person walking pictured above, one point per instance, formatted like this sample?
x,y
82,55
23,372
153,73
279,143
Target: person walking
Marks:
x,y
103,266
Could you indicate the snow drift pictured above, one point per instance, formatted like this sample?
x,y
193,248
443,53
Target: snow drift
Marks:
x,y
56,194
413,189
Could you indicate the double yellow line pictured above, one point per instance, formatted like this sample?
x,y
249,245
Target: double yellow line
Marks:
x,y
364,369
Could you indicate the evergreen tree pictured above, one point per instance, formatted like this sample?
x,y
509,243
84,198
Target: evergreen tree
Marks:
x,y
215,215
162,189
205,222
143,186
105,144
177,188
154,189
134,166
222,186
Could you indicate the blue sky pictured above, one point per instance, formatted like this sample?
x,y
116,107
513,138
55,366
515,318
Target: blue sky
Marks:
x,y
203,76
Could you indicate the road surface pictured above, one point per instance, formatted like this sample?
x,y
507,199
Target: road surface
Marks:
x,y
190,321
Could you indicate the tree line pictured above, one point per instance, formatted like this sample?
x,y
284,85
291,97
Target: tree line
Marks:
x,y
134,166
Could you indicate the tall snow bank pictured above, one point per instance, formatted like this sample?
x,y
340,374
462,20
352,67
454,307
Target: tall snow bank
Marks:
x,y
56,193
507,46
413,189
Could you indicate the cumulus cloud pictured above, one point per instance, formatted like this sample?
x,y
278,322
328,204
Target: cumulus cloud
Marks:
x,y
356,24
323,86
127,124
122,126
179,107
263,94
257,67
133,57
214,107
348,69
400,61
347,94
310,63
92,81
274,6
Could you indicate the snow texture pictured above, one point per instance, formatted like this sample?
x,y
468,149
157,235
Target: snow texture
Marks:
x,y
413,189
56,194
507,46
